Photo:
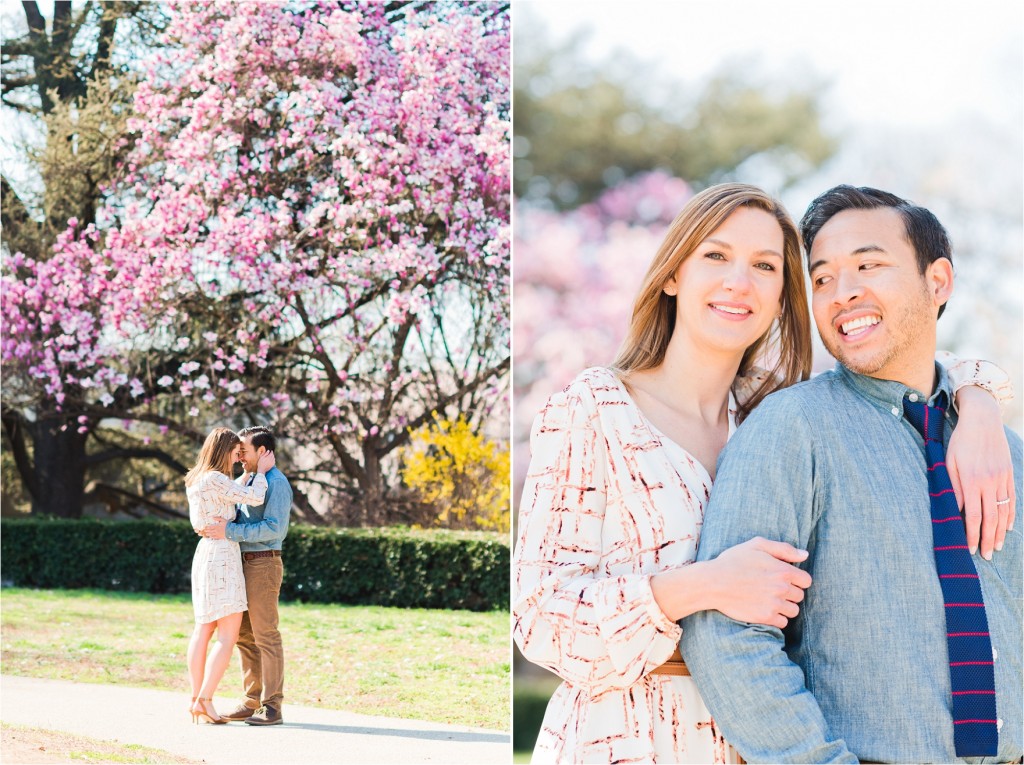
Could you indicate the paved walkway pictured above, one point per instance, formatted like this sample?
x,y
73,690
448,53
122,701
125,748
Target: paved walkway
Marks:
x,y
309,735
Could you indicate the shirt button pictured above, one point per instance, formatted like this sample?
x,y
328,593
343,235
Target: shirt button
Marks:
x,y
999,724
912,397
995,653
895,412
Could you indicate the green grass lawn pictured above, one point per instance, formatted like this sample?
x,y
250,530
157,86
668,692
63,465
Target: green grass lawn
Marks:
x,y
443,666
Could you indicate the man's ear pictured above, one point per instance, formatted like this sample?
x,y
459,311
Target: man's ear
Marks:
x,y
939,280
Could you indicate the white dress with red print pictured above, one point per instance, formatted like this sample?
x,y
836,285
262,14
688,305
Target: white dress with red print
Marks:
x,y
608,502
218,586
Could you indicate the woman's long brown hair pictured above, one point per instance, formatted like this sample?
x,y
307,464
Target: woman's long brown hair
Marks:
x,y
785,349
215,454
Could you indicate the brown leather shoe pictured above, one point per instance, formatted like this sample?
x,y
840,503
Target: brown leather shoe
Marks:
x,y
242,712
265,716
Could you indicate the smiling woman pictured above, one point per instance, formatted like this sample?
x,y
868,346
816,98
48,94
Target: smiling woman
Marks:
x,y
769,248
731,277
617,448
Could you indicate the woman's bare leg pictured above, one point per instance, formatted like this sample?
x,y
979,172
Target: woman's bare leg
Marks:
x,y
220,655
196,655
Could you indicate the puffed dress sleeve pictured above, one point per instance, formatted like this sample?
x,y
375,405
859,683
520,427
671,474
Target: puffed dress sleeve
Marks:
x,y
225,493
593,629
984,374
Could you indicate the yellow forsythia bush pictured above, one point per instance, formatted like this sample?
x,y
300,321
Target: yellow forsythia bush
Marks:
x,y
463,474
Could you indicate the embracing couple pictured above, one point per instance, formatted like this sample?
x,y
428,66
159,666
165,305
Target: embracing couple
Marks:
x,y
830,598
237,572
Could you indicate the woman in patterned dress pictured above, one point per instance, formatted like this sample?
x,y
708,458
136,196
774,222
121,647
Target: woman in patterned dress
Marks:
x,y
622,464
218,587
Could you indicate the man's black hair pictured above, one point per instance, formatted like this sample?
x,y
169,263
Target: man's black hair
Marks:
x,y
261,436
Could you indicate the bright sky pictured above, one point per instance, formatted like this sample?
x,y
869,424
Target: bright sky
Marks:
x,y
906,62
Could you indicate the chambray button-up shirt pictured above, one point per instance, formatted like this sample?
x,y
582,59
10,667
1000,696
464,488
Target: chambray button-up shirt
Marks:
x,y
832,466
263,527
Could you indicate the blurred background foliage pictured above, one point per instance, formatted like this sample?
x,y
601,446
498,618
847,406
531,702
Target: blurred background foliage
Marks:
x,y
581,128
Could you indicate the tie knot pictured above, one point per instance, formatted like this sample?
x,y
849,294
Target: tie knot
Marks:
x,y
928,420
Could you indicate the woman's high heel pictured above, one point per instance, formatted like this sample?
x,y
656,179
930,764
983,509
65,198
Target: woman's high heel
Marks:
x,y
204,712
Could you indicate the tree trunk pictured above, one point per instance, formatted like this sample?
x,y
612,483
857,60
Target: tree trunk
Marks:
x,y
58,467
371,485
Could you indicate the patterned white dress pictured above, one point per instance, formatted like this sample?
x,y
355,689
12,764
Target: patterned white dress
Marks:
x,y
608,502
218,586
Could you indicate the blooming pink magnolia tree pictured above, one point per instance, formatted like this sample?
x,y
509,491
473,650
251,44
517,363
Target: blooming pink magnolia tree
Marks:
x,y
576,275
311,230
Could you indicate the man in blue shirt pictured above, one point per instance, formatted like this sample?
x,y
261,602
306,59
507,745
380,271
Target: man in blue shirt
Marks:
x,y
260,532
833,466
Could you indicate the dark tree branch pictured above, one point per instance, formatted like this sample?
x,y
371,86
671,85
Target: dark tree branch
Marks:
x,y
120,499
397,349
15,218
41,54
349,463
16,435
403,437
108,26
306,512
127,414
135,453
36,22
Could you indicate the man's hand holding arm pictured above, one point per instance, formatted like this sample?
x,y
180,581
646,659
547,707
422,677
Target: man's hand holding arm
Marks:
x,y
757,696
214,530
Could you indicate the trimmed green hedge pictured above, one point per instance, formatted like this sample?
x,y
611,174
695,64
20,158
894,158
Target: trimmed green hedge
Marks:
x,y
529,703
386,567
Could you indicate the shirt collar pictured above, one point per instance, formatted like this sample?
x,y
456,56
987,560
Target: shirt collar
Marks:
x,y
889,394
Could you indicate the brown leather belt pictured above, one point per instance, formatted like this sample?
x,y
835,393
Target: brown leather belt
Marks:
x,y
261,554
673,666
676,666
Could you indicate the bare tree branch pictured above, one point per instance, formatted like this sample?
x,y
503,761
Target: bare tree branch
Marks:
x,y
135,453
118,499
16,435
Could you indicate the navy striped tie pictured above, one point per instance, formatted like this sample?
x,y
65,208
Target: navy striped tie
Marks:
x,y
970,648
240,505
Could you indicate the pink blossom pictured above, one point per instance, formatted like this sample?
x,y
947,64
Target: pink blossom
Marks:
x,y
577,274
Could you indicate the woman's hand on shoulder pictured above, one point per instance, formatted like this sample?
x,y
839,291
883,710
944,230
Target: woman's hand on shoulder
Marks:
x,y
756,582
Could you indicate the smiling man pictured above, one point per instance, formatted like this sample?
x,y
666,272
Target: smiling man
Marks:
x,y
907,647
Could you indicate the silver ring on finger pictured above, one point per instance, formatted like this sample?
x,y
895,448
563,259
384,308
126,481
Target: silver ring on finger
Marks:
x,y
1003,501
